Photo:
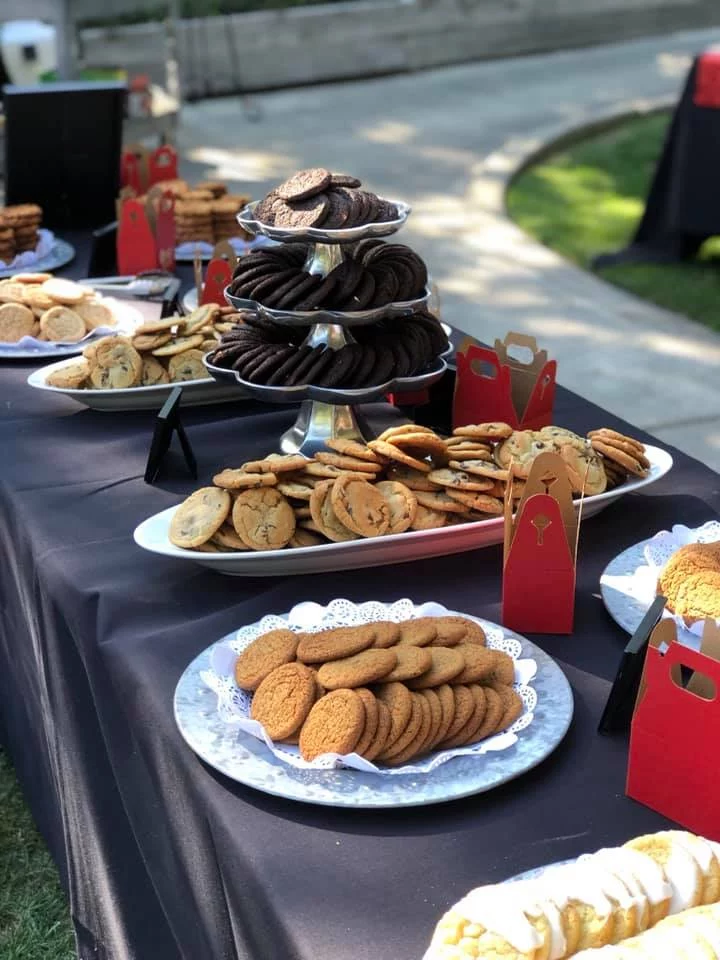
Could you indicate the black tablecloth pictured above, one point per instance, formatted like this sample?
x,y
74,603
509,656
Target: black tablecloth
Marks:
x,y
163,857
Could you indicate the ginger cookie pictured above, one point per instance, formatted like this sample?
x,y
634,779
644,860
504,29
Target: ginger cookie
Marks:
x,y
153,373
476,708
398,700
457,478
446,665
439,500
402,505
276,463
411,662
351,448
512,706
504,669
412,479
418,633
360,507
199,517
70,377
334,725
369,666
494,711
377,744
240,480
464,707
387,634
474,633
479,663
427,519
334,644
263,519
372,718
283,700
446,697
16,322
484,431
436,716
478,719
65,291
324,516
408,733
396,757
449,632
386,449
263,655
61,324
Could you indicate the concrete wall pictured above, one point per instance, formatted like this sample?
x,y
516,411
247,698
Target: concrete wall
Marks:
x,y
262,50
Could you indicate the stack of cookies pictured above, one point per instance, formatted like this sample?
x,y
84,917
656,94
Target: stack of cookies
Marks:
x,y
19,229
388,692
7,240
47,308
205,213
193,220
373,274
272,354
163,351
622,456
409,478
319,198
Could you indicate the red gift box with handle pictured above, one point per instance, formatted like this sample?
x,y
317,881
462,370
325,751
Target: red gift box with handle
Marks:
x,y
707,81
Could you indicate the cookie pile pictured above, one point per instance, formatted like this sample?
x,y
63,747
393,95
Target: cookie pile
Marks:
x,y
19,229
319,198
47,308
205,213
407,479
389,692
622,456
164,351
274,355
374,274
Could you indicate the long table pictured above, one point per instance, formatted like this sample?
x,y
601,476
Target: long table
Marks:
x,y
164,858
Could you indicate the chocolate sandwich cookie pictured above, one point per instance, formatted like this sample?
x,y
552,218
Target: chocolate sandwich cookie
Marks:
x,y
304,184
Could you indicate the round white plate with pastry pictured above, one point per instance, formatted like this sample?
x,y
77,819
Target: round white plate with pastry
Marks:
x,y
682,564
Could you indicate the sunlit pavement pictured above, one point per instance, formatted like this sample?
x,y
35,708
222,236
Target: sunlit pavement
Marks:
x,y
447,141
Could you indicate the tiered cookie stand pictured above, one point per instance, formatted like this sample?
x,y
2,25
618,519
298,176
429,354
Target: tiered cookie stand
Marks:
x,y
327,412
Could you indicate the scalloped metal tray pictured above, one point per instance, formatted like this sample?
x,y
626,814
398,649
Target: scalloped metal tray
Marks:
x,y
317,234
328,394
346,318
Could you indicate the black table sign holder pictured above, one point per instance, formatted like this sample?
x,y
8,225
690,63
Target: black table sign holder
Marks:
x,y
168,422
620,705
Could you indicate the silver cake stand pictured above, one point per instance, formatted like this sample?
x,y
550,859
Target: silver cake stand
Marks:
x,y
327,412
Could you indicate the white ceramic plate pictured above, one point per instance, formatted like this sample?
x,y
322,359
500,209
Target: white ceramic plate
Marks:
x,y
243,758
127,316
196,393
152,535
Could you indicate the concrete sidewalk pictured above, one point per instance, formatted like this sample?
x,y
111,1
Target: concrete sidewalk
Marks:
x,y
446,141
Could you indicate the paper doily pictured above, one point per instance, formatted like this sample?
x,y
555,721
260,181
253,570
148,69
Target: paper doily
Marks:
x,y
234,704
123,325
22,261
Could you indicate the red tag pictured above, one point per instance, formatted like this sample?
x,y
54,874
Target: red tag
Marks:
x,y
165,231
707,81
136,249
163,164
217,277
131,172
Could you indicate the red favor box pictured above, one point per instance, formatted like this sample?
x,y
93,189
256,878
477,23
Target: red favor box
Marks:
x,y
707,81
492,385
538,591
671,766
145,232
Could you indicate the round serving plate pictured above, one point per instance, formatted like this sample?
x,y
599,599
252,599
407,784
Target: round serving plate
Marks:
x,y
243,758
626,596
152,535
128,318
195,393
60,253
186,252
328,394
248,222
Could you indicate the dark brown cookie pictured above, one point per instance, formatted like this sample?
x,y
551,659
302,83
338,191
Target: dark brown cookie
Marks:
x,y
264,210
338,210
304,184
279,378
338,368
302,213
313,368
321,294
270,364
295,294
271,283
344,180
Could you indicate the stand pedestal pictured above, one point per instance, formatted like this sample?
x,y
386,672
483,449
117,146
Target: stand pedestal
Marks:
x,y
318,422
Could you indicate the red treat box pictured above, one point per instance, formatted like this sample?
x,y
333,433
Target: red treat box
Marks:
x,y
707,81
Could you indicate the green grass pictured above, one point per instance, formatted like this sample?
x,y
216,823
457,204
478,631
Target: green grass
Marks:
x,y
34,920
587,199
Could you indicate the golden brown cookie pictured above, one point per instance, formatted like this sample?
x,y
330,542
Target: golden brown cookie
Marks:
x,y
481,502
186,366
179,345
479,663
71,376
95,314
494,711
504,668
16,322
449,633
438,500
458,479
227,539
372,718
386,449
334,725
31,277
468,453
614,453
324,516
408,733
411,662
352,448
629,444
387,633
199,517
484,431
446,665
283,700
240,480
401,502
294,488
202,316
116,364
263,519
398,700
61,324
153,373
263,655
278,463
344,462
427,519
480,468
368,666
413,749
419,444
64,291
360,507
474,633
377,744
403,429
436,717
476,716
464,707
447,705
512,706
419,632
335,644
158,326
305,538
326,471
412,479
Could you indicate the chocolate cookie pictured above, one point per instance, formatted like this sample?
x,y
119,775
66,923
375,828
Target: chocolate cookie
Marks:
x,y
304,184
338,210
270,364
302,213
344,180
338,368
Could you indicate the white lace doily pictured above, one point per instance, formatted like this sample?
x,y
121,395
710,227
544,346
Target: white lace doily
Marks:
x,y
22,261
233,703
124,325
